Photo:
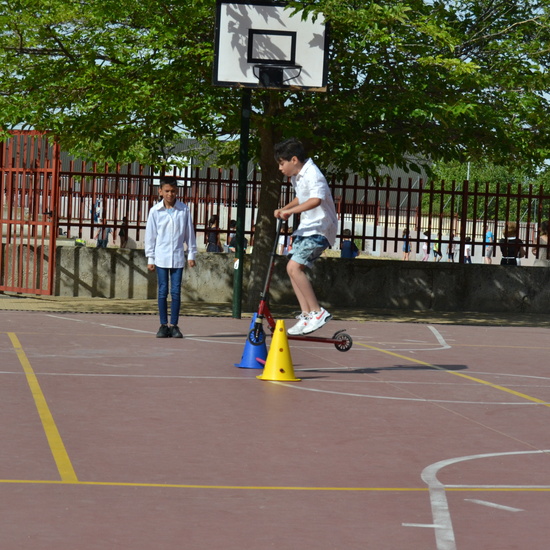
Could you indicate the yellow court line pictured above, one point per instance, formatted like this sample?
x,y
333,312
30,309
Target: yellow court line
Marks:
x,y
55,442
217,487
518,488
461,375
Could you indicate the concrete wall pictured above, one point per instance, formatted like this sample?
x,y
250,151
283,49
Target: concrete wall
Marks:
x,y
122,273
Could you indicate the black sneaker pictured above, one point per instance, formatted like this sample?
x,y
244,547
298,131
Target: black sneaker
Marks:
x,y
175,332
164,332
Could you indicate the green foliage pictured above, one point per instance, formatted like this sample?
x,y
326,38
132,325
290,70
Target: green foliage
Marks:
x,y
123,80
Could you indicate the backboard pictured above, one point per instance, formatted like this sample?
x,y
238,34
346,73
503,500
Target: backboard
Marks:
x,y
261,45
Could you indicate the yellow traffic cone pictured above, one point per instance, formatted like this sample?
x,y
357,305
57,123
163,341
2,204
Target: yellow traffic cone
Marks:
x,y
278,366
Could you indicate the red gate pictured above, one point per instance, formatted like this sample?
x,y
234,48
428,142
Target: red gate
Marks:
x,y
29,167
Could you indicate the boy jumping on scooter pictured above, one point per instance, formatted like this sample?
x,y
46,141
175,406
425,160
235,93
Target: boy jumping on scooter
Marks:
x,y
316,232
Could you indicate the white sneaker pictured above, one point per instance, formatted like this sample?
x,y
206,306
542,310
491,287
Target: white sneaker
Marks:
x,y
298,328
316,320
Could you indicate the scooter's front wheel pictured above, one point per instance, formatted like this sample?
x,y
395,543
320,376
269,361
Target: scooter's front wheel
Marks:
x,y
257,336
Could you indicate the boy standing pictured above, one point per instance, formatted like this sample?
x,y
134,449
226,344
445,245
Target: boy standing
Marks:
x,y
316,232
169,227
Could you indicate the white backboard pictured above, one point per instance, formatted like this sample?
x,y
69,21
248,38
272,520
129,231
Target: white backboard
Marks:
x,y
260,45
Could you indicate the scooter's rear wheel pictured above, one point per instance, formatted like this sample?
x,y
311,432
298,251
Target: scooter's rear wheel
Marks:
x,y
344,341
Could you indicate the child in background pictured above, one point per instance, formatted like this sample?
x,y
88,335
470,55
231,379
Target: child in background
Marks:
x,y
467,251
348,249
169,227
213,243
406,245
102,235
316,232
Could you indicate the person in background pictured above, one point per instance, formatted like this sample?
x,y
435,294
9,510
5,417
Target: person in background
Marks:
x,y
467,250
489,246
348,249
123,233
542,259
437,250
284,241
232,235
451,248
102,235
426,247
511,246
213,243
406,245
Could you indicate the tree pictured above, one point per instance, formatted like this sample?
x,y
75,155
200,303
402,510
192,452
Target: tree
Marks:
x,y
433,80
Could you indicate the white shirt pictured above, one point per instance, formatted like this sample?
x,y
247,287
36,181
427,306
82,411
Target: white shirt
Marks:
x,y
321,220
165,234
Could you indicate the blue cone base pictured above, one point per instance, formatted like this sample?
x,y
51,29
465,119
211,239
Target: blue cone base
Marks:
x,y
252,353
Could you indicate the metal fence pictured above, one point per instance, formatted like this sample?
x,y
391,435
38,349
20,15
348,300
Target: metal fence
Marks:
x,y
375,210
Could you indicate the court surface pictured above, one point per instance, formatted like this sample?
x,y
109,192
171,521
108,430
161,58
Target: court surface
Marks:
x,y
422,436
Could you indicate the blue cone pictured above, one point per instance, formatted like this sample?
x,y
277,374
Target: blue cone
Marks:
x,y
252,352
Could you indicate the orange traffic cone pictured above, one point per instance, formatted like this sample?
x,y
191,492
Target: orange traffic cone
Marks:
x,y
278,366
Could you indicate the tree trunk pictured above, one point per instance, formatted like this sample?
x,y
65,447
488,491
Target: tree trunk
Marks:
x,y
264,233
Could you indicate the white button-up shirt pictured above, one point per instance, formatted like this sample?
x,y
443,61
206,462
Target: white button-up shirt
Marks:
x,y
166,233
321,220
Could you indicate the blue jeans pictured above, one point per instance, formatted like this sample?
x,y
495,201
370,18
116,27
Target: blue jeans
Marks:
x,y
169,277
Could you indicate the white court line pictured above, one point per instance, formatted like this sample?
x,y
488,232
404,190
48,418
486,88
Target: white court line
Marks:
x,y
186,337
390,398
444,533
439,338
240,378
493,505
430,525
443,344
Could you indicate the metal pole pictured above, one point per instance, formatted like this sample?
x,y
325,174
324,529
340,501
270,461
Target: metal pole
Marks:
x,y
241,202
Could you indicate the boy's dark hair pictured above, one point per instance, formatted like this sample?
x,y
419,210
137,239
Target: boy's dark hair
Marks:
x,y
169,180
290,148
346,233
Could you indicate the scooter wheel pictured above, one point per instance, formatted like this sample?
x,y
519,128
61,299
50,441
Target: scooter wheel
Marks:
x,y
256,336
344,341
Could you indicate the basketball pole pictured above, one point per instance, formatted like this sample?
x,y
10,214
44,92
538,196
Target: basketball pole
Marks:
x,y
246,107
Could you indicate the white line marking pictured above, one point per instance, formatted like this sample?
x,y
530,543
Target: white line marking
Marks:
x,y
390,398
444,536
430,525
493,505
439,338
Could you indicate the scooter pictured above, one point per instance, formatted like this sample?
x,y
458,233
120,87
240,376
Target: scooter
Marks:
x,y
341,339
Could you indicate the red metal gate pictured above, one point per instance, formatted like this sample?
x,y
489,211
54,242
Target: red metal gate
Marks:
x,y
29,167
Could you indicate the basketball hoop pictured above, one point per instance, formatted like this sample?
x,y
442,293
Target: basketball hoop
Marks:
x,y
272,76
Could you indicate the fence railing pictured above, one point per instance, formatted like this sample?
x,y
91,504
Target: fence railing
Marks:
x,y
376,210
